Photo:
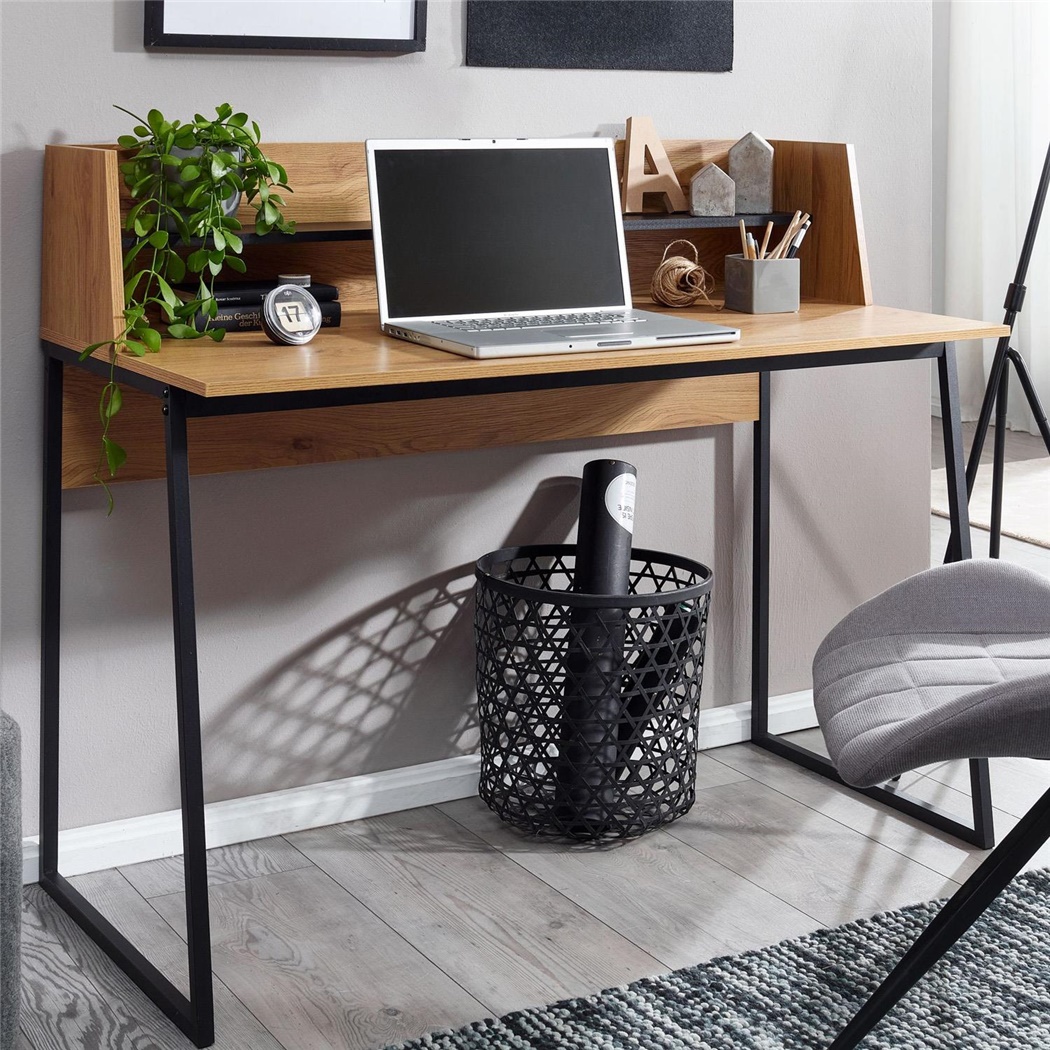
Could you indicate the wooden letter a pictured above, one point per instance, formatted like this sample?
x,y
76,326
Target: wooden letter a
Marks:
x,y
646,169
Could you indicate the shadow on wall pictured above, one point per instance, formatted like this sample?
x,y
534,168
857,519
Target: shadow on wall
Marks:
x,y
369,689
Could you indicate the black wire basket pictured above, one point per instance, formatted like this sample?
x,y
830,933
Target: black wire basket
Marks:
x,y
588,704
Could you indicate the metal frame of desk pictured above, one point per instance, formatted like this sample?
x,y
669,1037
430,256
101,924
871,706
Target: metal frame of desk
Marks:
x,y
194,1015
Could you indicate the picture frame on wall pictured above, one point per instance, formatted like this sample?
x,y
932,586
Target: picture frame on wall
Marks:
x,y
380,26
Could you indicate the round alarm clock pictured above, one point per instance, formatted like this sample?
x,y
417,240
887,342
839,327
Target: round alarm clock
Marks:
x,y
290,314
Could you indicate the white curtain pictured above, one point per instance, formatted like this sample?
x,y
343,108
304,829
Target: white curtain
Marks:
x,y
998,134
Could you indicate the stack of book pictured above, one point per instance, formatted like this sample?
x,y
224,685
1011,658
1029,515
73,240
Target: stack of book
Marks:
x,y
240,304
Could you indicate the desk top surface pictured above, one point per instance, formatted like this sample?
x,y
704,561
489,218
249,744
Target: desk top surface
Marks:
x,y
358,355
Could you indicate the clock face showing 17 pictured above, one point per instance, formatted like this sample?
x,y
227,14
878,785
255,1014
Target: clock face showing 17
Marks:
x,y
291,315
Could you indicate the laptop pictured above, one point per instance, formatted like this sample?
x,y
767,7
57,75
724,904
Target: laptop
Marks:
x,y
509,247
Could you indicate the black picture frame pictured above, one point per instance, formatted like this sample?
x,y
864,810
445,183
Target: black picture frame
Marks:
x,y
155,38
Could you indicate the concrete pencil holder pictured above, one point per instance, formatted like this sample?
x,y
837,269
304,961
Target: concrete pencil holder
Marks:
x,y
762,286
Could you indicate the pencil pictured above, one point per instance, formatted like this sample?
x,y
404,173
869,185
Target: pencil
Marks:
x,y
743,238
782,246
765,241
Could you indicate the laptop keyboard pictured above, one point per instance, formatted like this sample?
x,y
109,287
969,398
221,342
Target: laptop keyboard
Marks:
x,y
505,324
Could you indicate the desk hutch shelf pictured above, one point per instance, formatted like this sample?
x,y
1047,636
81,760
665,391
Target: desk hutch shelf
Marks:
x,y
82,300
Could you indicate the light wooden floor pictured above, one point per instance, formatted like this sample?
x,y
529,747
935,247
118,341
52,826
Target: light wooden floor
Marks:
x,y
364,934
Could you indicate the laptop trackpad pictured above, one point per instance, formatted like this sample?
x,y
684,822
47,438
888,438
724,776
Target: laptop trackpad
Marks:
x,y
609,331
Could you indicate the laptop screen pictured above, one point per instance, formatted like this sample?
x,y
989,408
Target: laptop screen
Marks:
x,y
470,231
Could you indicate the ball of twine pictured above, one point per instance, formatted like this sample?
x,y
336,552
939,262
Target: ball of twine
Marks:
x,y
679,281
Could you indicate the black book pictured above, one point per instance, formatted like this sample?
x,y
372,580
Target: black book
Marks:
x,y
249,318
251,293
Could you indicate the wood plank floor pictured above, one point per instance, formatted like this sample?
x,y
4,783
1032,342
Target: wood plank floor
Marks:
x,y
364,934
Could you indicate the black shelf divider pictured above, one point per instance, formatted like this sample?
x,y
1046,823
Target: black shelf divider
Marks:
x,y
678,221
681,221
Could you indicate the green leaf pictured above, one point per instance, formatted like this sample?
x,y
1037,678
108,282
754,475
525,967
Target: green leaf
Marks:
x,y
234,243
176,269
218,239
170,161
129,256
144,223
255,128
184,230
185,138
270,213
196,260
110,402
224,111
151,338
214,267
216,334
182,331
116,457
166,310
137,348
262,228
155,119
131,284
238,120
165,291
191,171
218,169
142,131
134,314
91,348
234,263
140,184
127,141
159,238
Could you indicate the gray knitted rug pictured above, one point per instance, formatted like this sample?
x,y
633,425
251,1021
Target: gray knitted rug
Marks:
x,y
992,992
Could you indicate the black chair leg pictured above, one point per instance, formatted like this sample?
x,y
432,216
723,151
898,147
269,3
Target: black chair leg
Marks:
x,y
953,920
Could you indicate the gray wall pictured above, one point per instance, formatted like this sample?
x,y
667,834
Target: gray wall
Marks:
x,y
311,581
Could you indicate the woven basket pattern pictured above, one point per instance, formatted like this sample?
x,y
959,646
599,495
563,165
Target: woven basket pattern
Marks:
x,y
589,715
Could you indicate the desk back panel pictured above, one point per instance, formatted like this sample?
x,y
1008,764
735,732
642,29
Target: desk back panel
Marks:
x,y
82,302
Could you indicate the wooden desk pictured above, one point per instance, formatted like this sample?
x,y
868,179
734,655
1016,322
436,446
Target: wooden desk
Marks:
x,y
359,369
242,403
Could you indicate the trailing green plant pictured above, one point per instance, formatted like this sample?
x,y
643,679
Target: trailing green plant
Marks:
x,y
179,198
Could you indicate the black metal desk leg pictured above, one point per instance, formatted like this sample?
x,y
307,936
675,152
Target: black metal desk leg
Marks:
x,y
981,832
50,605
959,549
760,567
198,927
958,507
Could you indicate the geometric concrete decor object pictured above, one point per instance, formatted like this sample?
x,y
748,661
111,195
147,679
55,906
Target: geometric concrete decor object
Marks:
x,y
712,192
751,168
646,169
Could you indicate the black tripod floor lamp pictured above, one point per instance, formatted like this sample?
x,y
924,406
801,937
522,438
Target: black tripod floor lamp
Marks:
x,y
997,391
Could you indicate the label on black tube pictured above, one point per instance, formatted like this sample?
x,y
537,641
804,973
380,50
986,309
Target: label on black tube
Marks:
x,y
619,500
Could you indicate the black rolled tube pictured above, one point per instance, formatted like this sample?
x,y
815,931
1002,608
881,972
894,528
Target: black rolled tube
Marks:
x,y
587,766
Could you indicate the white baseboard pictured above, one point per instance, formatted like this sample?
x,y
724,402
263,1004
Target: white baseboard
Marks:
x,y
156,835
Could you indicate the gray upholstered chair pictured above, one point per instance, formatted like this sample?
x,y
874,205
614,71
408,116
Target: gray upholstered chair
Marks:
x,y
952,663
10,878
